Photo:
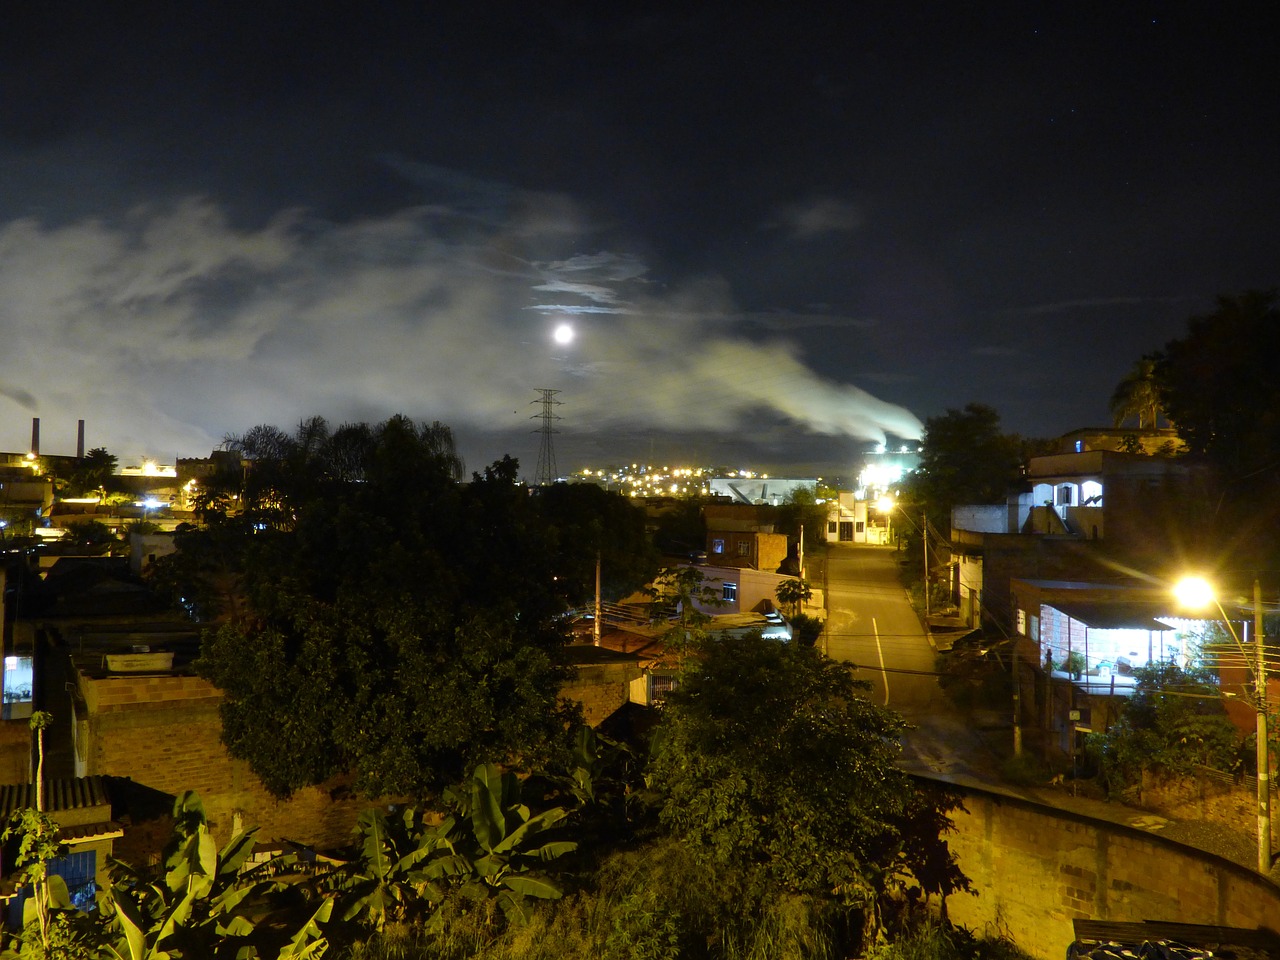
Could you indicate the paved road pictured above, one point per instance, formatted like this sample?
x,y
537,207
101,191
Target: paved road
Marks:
x,y
871,623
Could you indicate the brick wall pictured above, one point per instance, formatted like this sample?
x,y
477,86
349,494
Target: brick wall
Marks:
x,y
1036,868
602,688
165,732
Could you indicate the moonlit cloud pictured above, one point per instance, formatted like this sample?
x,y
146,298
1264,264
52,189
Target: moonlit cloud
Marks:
x,y
817,217
169,327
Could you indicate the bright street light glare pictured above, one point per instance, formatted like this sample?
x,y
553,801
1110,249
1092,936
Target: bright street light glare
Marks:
x,y
1195,593
563,334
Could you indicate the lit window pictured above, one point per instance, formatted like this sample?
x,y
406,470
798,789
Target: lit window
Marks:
x,y
717,546
18,676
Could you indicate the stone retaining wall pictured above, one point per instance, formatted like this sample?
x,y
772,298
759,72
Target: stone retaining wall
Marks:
x,y
1037,868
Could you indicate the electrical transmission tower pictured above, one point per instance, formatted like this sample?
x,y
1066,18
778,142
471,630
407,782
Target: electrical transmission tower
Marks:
x,y
547,472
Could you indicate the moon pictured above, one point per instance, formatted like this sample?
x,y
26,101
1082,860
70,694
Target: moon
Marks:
x,y
563,334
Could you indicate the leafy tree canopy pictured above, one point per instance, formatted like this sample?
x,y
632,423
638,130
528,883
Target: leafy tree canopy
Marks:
x,y
94,471
965,458
801,510
1137,396
1175,719
587,522
770,758
379,617
1218,386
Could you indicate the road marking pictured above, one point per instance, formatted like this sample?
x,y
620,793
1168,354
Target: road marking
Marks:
x,y
880,653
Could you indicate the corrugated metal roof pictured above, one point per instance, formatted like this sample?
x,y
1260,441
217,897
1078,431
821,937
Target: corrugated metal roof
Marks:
x,y
66,793
89,832
1114,616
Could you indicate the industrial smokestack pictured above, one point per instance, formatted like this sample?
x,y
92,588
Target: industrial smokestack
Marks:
x,y
80,439
35,436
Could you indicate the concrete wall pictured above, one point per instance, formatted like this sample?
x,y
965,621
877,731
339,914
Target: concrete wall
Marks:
x,y
1037,868
15,751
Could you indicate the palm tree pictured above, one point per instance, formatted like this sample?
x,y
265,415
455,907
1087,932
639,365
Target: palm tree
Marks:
x,y
1137,395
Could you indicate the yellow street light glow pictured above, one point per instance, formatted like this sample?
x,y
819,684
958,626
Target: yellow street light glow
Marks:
x,y
1195,593
884,504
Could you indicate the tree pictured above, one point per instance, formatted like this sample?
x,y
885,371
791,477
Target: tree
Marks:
x,y
1138,396
771,760
675,597
385,621
1218,385
587,522
92,473
792,593
802,509
965,458
1174,720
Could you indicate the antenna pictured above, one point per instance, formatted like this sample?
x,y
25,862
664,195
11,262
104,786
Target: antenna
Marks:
x,y
547,472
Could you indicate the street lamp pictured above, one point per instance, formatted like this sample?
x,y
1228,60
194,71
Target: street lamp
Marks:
x,y
1198,593
885,506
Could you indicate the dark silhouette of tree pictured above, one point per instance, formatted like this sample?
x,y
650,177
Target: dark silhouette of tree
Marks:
x,y
965,458
1138,396
379,617
93,472
1219,387
587,521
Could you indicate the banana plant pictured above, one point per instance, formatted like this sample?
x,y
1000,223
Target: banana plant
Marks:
x,y
499,835
207,904
484,847
392,876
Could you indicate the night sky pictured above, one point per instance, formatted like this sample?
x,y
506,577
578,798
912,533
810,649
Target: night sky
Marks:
x,y
777,235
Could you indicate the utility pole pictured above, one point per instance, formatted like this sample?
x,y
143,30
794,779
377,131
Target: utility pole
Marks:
x,y
596,624
801,549
1017,699
1263,753
547,472
924,532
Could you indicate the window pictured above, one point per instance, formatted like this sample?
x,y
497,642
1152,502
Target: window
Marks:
x,y
1033,628
18,676
717,546
744,548
831,526
730,592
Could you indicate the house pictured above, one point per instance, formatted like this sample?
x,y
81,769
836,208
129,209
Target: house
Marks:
x,y
81,806
739,589
742,535
852,519
1086,639
1081,515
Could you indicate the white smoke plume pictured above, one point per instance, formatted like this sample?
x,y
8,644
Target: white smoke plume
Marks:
x,y
170,327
